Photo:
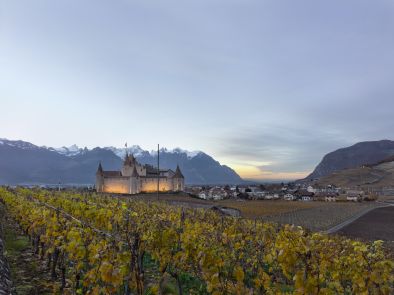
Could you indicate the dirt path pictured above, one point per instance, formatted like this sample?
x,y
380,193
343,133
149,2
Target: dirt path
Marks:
x,y
5,274
28,272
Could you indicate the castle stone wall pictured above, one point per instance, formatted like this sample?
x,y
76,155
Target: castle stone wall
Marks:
x,y
118,185
150,184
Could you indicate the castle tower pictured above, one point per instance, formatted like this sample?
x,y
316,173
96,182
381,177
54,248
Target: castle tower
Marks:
x,y
99,178
135,186
128,164
178,180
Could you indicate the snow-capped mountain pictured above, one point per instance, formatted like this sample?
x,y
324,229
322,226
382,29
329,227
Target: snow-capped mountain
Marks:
x,y
136,150
72,150
17,143
24,162
190,154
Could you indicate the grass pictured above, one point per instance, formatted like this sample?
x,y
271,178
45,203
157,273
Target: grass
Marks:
x,y
190,284
14,243
27,271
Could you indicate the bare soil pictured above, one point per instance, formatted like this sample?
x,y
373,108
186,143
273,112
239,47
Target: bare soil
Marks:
x,y
377,224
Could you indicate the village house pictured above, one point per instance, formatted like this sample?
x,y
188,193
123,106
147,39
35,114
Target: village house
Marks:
x,y
331,197
271,196
289,197
305,196
354,195
217,193
310,189
202,195
326,196
353,198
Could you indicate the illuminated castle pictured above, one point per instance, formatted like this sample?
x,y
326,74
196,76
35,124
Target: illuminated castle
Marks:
x,y
135,178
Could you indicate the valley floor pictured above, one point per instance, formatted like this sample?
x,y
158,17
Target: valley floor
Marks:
x,y
316,215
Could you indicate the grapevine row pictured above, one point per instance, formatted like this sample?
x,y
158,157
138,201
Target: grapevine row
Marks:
x,y
100,244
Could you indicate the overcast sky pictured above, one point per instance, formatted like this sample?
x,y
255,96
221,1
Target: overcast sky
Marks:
x,y
266,87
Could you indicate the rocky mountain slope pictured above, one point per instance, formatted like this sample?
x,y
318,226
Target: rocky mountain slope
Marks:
x,y
25,163
362,153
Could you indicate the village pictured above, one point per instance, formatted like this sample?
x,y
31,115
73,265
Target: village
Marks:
x,y
287,192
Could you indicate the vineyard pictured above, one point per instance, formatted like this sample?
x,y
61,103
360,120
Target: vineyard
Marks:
x,y
321,217
97,244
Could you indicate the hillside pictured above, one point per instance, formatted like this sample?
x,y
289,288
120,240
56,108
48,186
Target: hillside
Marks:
x,y
362,153
25,163
372,176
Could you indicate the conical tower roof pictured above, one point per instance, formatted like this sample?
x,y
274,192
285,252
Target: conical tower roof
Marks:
x,y
99,169
178,173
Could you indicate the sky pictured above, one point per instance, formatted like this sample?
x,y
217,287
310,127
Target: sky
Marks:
x,y
266,87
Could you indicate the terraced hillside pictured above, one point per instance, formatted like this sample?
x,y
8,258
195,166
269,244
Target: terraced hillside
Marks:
x,y
375,176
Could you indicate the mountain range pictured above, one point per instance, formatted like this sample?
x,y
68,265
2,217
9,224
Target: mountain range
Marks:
x,y
22,162
359,154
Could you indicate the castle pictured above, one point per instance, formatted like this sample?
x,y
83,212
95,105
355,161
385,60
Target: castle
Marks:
x,y
135,178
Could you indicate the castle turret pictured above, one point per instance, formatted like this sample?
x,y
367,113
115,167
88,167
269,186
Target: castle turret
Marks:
x,y
135,186
99,169
178,173
129,160
178,180
128,165
99,178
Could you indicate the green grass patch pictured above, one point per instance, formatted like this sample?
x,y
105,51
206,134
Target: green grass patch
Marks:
x,y
14,243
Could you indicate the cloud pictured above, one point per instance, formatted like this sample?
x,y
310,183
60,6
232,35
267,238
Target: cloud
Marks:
x,y
280,149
